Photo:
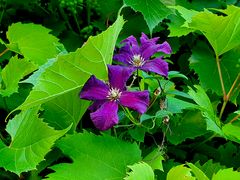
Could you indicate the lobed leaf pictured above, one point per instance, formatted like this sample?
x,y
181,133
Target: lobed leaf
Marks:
x,y
71,71
32,41
95,157
13,72
154,11
65,110
202,61
32,139
222,32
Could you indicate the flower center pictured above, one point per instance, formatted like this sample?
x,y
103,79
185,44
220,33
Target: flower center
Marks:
x,y
114,94
137,60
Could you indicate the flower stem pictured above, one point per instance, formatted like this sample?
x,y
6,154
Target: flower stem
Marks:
x,y
2,53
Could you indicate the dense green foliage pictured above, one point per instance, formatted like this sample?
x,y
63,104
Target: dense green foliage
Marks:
x,y
49,49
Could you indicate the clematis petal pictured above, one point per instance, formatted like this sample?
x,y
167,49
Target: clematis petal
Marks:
x,y
125,54
96,104
137,100
149,47
164,47
132,42
94,89
157,65
118,76
106,116
144,39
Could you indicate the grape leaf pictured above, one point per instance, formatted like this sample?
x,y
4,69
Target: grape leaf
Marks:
x,y
71,71
226,174
201,98
180,172
34,78
154,11
64,110
107,156
139,171
13,72
32,139
154,159
188,125
32,41
202,61
222,32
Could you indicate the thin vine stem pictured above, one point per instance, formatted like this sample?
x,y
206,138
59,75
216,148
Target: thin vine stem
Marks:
x,y
2,53
229,94
221,78
76,21
234,119
233,86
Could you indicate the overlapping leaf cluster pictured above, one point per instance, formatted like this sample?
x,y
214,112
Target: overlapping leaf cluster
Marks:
x,y
191,129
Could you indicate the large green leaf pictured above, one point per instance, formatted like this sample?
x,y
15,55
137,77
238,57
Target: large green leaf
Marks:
x,y
12,73
64,110
31,140
188,125
226,174
95,157
222,32
202,61
71,71
32,41
140,171
201,98
154,11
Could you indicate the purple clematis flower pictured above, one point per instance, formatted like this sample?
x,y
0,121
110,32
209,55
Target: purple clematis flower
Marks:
x,y
107,97
138,57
